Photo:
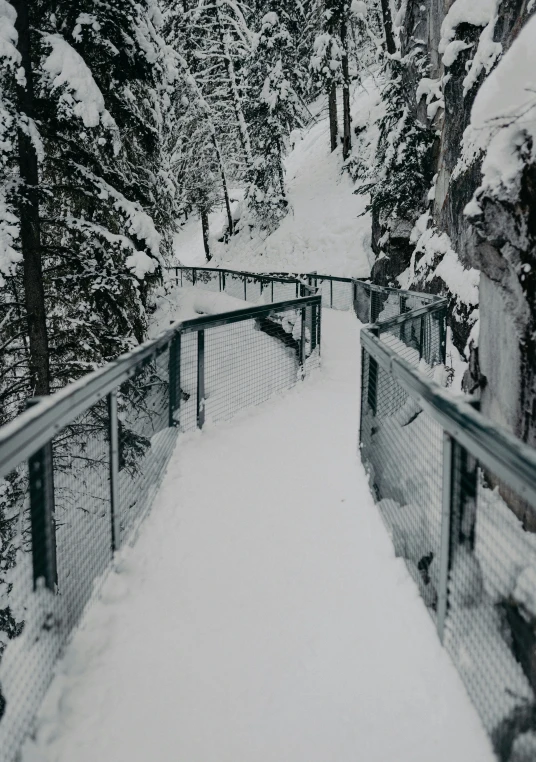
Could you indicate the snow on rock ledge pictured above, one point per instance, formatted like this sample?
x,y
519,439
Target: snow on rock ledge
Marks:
x,y
503,119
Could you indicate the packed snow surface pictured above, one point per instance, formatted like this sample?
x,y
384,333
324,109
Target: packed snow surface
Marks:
x,y
262,615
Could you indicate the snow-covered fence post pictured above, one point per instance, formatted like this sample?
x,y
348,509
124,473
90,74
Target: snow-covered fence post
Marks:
x,y
41,484
113,438
200,379
174,378
458,517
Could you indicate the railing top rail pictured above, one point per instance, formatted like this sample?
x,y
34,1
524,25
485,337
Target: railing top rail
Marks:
x,y
292,277
267,276
434,306
210,321
29,431
496,448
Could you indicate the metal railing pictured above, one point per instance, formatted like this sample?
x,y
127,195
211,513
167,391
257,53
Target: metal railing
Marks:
x,y
457,493
458,497
78,472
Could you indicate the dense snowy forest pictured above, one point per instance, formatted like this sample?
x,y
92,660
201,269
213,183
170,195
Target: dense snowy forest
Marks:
x,y
121,120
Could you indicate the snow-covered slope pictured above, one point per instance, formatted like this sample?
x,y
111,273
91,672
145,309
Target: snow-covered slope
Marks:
x,y
323,231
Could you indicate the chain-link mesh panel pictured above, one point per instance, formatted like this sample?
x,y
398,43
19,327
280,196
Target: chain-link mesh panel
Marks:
x,y
22,685
188,276
146,439
81,454
234,285
209,280
343,295
245,363
77,553
420,340
402,451
490,629
283,290
248,362
188,382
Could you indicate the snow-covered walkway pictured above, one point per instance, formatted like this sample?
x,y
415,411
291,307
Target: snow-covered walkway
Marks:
x,y
262,616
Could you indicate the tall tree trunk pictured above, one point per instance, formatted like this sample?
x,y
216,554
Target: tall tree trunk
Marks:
x,y
281,171
204,224
388,26
230,224
30,227
346,138
333,121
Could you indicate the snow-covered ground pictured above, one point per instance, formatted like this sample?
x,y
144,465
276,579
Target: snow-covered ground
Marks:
x,y
323,231
262,615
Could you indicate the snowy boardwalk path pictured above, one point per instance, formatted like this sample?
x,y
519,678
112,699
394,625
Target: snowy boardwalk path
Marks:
x,y
262,616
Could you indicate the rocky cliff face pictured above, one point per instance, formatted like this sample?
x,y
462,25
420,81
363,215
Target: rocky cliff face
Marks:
x,y
482,255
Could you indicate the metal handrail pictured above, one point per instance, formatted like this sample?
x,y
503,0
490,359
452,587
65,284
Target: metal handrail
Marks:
x,y
496,448
510,459
29,431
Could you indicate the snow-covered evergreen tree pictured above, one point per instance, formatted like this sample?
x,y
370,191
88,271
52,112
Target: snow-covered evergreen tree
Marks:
x,y
273,111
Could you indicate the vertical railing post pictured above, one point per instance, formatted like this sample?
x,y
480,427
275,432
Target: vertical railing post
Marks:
x,y
194,274
402,310
174,379
245,288
442,317
223,281
421,337
458,516
176,276
219,280
181,277
43,526
113,436
362,401
372,382
444,553
272,291
200,379
331,293
319,327
303,340
314,327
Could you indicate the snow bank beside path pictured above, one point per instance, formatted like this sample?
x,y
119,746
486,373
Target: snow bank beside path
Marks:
x,y
262,615
191,302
